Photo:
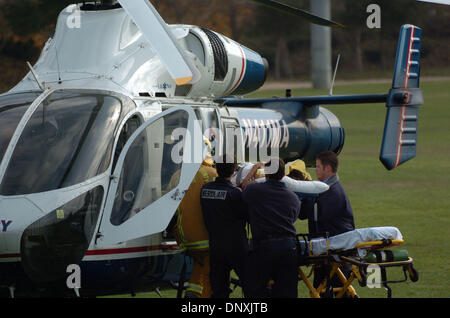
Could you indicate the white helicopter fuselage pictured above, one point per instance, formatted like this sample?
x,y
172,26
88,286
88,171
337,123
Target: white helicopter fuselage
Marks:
x,y
104,53
85,176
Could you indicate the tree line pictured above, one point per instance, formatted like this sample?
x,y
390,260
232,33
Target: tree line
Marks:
x,y
283,39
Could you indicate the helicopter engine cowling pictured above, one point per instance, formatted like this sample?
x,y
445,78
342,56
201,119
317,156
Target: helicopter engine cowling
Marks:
x,y
226,67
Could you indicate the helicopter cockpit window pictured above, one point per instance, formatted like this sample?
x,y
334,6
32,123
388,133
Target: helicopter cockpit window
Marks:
x,y
12,108
152,166
68,140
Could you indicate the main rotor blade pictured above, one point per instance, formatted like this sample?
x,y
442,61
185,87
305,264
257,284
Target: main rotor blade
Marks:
x,y
447,2
162,40
299,12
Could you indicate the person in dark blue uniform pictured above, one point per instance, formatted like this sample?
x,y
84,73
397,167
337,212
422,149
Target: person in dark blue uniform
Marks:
x,y
225,216
333,212
273,209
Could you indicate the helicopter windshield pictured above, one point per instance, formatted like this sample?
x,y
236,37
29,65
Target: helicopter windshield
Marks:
x,y
68,140
12,108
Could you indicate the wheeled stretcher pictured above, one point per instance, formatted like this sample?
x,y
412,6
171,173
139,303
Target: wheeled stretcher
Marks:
x,y
359,251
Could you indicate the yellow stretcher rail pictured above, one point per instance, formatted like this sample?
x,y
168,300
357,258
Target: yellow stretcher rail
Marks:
x,y
359,267
374,243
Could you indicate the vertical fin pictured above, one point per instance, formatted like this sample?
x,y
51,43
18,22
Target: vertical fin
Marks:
x,y
400,131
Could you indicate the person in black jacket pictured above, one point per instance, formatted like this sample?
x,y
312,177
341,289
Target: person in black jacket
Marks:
x,y
331,212
273,209
334,212
225,216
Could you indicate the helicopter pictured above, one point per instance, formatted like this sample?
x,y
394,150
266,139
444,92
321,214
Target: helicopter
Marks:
x,y
89,135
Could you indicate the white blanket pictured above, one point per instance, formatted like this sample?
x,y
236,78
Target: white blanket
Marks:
x,y
308,187
349,240
298,186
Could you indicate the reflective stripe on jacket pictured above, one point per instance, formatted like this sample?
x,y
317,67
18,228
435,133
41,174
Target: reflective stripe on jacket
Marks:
x,y
192,233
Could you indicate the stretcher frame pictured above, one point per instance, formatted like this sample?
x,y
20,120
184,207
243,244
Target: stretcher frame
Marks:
x,y
335,259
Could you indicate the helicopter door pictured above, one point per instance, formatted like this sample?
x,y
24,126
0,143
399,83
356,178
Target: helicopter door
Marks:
x,y
233,138
152,173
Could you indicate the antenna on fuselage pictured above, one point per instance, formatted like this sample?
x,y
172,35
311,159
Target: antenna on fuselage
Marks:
x,y
36,77
334,75
57,64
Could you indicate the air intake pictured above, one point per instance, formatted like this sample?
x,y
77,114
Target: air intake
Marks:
x,y
220,55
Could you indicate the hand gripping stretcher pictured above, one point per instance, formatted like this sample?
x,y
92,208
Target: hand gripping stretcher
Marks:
x,y
364,250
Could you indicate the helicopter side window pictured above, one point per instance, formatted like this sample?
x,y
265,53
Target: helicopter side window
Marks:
x,y
210,126
12,108
68,140
128,129
151,167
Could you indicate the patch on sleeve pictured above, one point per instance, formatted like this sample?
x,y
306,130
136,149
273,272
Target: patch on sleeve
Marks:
x,y
214,194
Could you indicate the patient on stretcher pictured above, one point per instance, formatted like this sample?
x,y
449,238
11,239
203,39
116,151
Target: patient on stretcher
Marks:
x,y
350,240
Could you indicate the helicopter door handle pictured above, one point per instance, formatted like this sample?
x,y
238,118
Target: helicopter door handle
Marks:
x,y
99,235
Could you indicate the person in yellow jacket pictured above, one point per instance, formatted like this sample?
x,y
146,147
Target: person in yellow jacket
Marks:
x,y
297,170
190,231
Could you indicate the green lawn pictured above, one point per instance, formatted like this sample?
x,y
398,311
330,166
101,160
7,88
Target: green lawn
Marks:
x,y
414,197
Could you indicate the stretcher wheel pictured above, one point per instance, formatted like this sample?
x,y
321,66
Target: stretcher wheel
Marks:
x,y
328,292
363,274
413,273
363,282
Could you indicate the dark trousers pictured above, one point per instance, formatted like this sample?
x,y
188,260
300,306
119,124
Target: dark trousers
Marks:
x,y
223,259
273,259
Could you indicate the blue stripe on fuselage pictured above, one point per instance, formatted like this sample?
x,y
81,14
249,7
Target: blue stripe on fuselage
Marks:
x,y
254,73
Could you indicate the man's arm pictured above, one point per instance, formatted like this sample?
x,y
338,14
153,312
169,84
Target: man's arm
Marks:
x,y
329,205
250,178
306,208
240,206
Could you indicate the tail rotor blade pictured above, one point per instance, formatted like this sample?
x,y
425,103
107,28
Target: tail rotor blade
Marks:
x,y
162,40
298,12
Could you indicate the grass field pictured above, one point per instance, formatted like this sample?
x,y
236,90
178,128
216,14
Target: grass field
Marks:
x,y
414,197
